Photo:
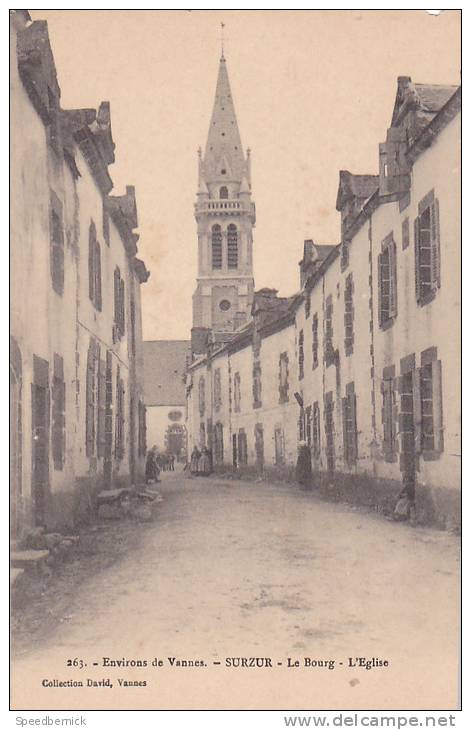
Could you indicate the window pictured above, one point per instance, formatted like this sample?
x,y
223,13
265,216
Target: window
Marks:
x,y
348,314
350,436
201,396
329,354
90,408
301,354
405,233
218,443
119,422
101,414
237,393
344,255
202,436
387,282
216,247
308,425
257,385
94,268
119,306
302,425
389,414
427,249
217,389
232,247
315,341
223,193
329,430
53,125
109,406
283,377
58,414
279,445
316,430
56,244
106,223
307,304
242,447
427,399
224,305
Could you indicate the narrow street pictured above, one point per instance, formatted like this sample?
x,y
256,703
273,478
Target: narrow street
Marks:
x,y
239,569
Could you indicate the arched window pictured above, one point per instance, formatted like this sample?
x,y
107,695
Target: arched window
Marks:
x,y
223,193
232,247
216,247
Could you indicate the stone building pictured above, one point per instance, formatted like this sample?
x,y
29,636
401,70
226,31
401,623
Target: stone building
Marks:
x,y
77,421
225,217
363,362
165,363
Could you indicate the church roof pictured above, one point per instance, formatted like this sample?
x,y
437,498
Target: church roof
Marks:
x,y
224,146
165,363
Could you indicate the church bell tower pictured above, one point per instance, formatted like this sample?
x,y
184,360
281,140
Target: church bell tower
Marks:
x,y
225,217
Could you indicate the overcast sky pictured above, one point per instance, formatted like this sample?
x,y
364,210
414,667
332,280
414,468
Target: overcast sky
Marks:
x,y
313,92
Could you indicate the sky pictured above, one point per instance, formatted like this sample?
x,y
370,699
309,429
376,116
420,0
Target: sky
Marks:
x,y
313,93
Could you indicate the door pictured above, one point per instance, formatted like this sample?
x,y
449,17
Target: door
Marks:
x,y
234,450
15,453
329,432
40,450
259,449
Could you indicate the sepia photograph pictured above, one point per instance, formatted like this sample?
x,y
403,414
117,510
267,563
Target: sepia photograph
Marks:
x,y
235,360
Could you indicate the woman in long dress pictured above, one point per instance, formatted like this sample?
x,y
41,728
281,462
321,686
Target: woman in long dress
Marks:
x,y
194,460
204,464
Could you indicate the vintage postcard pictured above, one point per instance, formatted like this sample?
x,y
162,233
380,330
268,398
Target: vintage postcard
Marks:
x,y
235,446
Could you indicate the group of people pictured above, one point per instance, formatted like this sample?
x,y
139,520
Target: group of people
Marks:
x,y
201,462
156,462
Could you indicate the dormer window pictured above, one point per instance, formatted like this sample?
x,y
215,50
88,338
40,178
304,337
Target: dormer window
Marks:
x,y
223,193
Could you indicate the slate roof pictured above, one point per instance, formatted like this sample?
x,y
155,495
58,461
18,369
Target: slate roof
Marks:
x,y
165,362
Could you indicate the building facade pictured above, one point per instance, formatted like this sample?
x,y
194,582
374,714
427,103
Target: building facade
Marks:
x,y
225,217
363,362
77,422
165,363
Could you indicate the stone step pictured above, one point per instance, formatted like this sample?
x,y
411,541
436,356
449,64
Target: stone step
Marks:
x,y
15,573
28,559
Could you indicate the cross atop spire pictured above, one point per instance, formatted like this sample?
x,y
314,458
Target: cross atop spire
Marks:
x,y
223,25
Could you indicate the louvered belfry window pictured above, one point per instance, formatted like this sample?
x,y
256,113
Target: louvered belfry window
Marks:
x,y
216,246
232,247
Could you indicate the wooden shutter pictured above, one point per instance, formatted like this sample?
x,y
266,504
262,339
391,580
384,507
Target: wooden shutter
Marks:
x,y
101,428
417,405
91,263
352,403
90,402
386,414
98,302
435,244
109,406
122,306
437,405
345,431
392,279
417,259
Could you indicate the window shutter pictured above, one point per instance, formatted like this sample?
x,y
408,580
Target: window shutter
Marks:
x,y
91,264
437,405
98,302
344,426
417,259
90,402
417,405
101,438
122,306
435,244
392,279
353,414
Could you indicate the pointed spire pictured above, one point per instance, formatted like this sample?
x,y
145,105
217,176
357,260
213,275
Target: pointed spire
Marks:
x,y
223,142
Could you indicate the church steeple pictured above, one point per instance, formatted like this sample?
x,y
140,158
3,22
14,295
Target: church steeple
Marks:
x,y
225,215
224,157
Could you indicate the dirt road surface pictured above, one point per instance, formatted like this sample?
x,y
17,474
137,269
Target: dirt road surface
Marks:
x,y
233,569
